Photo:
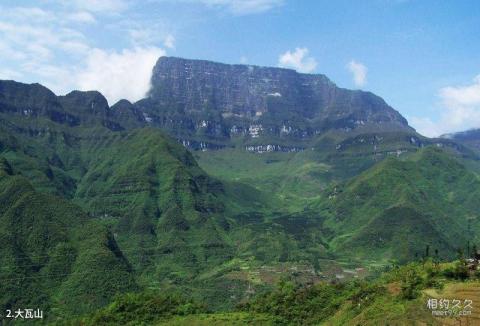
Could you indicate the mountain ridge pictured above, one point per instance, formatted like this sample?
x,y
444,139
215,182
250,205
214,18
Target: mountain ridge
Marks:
x,y
210,223
199,100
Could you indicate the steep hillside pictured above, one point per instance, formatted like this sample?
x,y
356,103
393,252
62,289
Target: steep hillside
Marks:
x,y
52,255
40,106
171,220
396,208
163,205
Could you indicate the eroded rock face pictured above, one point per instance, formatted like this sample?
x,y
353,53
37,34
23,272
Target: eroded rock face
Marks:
x,y
77,108
207,106
195,99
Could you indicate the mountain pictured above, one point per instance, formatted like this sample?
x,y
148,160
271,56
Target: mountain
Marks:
x,y
469,137
170,196
52,255
76,109
398,207
172,222
139,190
212,105
166,210
321,132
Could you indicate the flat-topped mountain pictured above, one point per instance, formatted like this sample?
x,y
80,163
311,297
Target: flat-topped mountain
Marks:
x,y
208,101
96,200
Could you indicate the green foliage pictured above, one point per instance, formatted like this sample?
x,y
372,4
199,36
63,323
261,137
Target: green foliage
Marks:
x,y
459,271
53,255
411,284
91,207
397,208
395,297
143,309
301,305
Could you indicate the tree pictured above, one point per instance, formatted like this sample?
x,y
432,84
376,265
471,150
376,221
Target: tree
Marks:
x,y
410,284
436,259
475,254
461,268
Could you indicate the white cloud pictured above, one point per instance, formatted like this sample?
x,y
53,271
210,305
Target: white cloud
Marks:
x,y
39,42
142,36
169,41
460,110
243,60
28,14
48,46
426,126
119,75
299,60
81,17
6,73
139,36
98,6
359,73
462,95
241,7
59,78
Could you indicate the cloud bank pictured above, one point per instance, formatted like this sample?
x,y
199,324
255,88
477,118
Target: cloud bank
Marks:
x,y
243,7
298,60
459,110
52,47
118,75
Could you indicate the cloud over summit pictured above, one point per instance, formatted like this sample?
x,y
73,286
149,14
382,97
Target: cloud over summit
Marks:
x,y
298,60
459,110
359,73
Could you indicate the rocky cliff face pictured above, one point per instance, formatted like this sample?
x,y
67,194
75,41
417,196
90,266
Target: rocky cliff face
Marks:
x,y
208,105
76,109
214,102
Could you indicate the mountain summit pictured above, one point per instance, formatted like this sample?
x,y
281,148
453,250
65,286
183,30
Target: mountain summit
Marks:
x,y
209,102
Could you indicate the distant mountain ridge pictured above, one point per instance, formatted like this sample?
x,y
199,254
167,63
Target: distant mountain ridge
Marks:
x,y
469,137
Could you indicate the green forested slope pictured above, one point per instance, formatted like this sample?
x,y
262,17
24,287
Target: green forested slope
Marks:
x,y
396,208
398,296
163,205
52,255
92,206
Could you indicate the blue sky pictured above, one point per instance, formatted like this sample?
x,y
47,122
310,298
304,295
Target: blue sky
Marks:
x,y
421,56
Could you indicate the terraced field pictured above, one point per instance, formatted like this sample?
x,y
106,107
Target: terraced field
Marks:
x,y
460,291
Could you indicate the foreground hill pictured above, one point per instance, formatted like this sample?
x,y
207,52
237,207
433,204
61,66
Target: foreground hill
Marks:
x,y
52,255
413,294
170,219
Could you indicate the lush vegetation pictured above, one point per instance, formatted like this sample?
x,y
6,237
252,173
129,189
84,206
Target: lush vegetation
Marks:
x,y
398,296
92,206
52,255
